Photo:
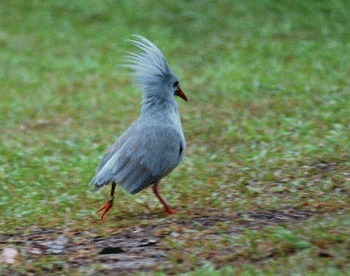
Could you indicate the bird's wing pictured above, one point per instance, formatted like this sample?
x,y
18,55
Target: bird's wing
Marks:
x,y
143,155
115,147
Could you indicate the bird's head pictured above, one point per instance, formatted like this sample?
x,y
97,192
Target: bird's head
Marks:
x,y
151,71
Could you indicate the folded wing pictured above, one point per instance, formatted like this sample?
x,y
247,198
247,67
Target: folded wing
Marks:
x,y
136,161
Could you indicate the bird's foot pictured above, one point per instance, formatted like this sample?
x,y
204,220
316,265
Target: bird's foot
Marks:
x,y
169,210
105,208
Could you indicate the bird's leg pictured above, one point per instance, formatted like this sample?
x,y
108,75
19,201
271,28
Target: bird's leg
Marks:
x,y
105,208
167,207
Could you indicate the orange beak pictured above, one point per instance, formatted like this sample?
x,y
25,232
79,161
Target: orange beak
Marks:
x,y
181,94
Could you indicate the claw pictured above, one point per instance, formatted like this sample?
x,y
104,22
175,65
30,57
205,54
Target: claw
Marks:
x,y
105,208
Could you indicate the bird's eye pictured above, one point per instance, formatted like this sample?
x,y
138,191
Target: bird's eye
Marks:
x,y
176,83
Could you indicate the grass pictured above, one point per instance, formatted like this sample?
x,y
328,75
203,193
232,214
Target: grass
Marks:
x,y
267,124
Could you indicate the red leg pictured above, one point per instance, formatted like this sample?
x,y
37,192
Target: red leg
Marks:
x,y
105,208
167,207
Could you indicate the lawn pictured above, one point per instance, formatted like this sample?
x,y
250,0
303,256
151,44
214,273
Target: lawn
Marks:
x,y
264,187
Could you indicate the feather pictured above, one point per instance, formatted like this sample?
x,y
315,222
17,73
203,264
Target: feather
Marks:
x,y
133,165
149,67
154,144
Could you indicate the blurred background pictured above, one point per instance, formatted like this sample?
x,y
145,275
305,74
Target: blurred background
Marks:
x,y
267,122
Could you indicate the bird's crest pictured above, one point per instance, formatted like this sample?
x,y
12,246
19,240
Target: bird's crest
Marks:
x,y
149,67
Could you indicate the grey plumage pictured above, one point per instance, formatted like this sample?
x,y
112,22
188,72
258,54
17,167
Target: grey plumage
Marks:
x,y
154,144
149,68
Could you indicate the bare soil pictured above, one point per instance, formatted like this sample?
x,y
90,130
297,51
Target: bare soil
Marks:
x,y
139,248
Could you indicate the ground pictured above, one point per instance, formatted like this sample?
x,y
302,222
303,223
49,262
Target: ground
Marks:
x,y
264,187
142,246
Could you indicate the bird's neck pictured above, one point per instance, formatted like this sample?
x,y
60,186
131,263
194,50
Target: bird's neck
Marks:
x,y
162,111
154,104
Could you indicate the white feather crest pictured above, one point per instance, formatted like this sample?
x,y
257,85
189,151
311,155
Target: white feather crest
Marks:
x,y
149,68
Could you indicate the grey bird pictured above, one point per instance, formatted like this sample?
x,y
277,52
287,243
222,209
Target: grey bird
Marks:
x,y
154,144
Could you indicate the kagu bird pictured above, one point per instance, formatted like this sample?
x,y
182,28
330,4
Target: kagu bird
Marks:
x,y
154,144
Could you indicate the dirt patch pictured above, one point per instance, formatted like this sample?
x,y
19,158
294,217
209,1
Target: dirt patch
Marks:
x,y
138,248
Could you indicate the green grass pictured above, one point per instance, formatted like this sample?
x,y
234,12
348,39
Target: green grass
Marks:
x,y
267,124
